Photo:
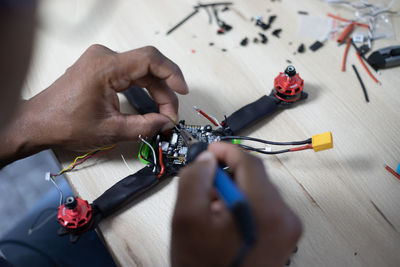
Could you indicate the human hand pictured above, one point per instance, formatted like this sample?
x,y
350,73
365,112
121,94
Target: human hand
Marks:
x,y
203,230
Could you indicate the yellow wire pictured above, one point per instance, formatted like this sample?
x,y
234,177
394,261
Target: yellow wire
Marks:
x,y
83,156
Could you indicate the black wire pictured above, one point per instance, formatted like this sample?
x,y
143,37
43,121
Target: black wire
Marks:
x,y
263,151
294,143
26,245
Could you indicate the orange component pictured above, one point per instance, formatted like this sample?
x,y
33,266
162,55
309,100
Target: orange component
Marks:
x,y
366,68
160,157
346,20
346,51
345,33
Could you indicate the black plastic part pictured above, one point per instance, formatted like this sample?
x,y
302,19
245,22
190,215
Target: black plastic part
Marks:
x,y
252,112
70,202
245,222
140,100
126,190
195,150
315,46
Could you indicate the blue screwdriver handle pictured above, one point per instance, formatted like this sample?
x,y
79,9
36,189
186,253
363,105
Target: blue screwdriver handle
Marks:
x,y
231,196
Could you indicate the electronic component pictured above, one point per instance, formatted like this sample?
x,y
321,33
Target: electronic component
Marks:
x,y
322,141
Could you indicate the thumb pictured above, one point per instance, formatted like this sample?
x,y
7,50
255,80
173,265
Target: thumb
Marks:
x,y
131,126
195,190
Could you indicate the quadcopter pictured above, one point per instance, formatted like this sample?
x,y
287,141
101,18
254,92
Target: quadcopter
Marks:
x,y
166,154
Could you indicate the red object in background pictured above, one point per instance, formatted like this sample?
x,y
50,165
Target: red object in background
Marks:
x,y
288,85
347,31
75,213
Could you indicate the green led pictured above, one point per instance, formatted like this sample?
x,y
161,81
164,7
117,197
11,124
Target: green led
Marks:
x,y
236,141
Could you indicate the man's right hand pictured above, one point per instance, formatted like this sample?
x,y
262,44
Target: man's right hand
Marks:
x,y
204,232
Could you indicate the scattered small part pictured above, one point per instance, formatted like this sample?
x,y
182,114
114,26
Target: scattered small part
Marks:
x,y
268,10
315,46
290,43
277,33
251,19
346,51
271,19
156,32
244,42
255,40
392,172
361,83
262,25
288,263
355,253
220,31
226,8
264,38
302,12
347,31
211,44
288,61
294,53
223,50
193,51
301,49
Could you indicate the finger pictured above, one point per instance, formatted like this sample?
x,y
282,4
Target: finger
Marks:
x,y
148,61
165,98
248,171
196,186
129,127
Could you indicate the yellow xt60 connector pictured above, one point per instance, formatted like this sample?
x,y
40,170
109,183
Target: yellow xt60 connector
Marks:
x,y
322,141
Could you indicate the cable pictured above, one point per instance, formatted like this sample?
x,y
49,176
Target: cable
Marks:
x,y
126,164
33,226
366,68
263,151
361,83
161,161
212,119
26,245
59,190
346,51
308,141
152,149
83,157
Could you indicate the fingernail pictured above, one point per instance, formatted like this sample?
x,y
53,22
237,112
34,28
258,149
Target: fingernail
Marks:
x,y
205,156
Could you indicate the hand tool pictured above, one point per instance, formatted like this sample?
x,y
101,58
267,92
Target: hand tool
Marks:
x,y
229,192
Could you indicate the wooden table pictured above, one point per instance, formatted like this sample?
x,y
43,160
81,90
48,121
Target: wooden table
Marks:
x,y
348,202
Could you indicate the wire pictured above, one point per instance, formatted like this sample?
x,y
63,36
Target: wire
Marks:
x,y
126,164
347,20
83,157
346,51
212,119
161,161
308,141
34,228
152,149
361,83
392,172
263,151
57,187
366,68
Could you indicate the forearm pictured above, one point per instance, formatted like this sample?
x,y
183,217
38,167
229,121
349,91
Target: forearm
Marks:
x,y
22,137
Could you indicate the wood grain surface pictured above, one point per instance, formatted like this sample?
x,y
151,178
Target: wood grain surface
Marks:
x,y
348,202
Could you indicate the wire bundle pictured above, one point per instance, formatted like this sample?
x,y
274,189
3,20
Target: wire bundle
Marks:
x,y
302,145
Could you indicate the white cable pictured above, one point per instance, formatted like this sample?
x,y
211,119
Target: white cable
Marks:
x,y
126,164
31,230
152,149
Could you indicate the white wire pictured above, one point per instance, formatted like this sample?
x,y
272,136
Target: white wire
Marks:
x,y
31,230
59,190
126,164
152,149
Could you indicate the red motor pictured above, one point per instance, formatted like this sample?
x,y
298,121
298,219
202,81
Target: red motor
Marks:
x,y
288,85
75,213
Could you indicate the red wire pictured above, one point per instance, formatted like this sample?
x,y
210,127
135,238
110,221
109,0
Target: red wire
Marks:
x,y
346,20
392,172
346,51
308,146
366,68
161,162
207,117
